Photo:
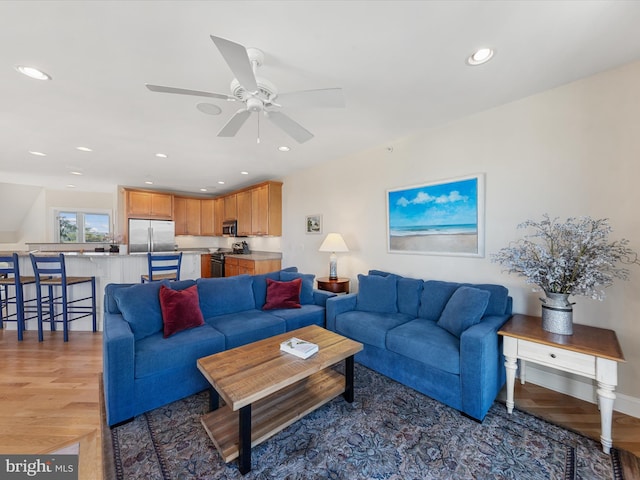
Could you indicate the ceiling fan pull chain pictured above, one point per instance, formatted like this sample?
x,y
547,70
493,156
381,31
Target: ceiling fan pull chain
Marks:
x,y
258,140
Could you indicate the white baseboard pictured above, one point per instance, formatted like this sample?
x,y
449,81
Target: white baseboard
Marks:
x,y
578,387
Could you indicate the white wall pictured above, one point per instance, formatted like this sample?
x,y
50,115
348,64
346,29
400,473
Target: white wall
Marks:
x,y
570,151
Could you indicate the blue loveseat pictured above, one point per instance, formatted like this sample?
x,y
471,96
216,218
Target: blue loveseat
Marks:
x,y
144,370
439,338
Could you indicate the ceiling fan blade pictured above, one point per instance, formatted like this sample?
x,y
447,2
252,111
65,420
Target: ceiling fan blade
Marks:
x,y
234,123
184,91
290,126
238,60
321,98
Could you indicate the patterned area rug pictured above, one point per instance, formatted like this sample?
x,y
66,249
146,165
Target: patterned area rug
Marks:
x,y
389,432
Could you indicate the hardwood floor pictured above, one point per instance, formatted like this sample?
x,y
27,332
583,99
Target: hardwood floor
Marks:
x,y
50,398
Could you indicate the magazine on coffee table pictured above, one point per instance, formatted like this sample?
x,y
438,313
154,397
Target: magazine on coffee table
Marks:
x,y
299,348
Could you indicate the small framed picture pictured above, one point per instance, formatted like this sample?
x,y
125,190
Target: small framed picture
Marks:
x,y
313,224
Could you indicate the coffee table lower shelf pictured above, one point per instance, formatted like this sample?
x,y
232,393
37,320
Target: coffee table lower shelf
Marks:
x,y
273,413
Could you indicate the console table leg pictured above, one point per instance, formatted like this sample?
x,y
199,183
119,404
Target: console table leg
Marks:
x,y
511,366
606,397
244,450
348,379
214,399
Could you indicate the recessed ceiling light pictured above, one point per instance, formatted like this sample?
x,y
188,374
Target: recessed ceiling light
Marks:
x,y
284,148
149,182
480,56
221,182
70,185
161,155
38,154
84,149
76,173
209,108
203,189
33,72
244,173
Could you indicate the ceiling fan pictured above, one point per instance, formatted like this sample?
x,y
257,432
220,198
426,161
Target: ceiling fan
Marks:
x,y
259,94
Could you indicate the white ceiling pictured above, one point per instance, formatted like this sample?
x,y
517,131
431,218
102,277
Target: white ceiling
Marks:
x,y
401,65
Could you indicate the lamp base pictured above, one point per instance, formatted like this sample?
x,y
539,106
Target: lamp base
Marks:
x,y
333,267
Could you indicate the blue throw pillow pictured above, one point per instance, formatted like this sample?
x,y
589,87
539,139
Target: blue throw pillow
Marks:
x,y
377,293
464,309
219,296
140,307
306,294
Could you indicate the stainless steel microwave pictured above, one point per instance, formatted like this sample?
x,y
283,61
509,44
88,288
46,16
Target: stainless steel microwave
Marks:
x,y
229,228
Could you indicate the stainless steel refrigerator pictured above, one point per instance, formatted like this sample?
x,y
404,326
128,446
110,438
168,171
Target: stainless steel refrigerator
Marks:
x,y
151,235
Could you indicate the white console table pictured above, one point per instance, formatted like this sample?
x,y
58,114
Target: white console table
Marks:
x,y
590,352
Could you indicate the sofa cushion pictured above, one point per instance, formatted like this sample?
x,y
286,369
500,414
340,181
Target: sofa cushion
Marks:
x,y
248,326
180,309
498,300
409,291
140,307
464,309
424,341
219,296
377,293
435,295
301,317
260,287
155,354
369,327
283,294
180,284
306,293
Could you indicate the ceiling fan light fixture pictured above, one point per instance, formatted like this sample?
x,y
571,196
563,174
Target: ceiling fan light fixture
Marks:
x,y
480,56
33,72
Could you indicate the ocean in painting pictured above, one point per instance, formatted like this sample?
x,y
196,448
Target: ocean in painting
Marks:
x,y
461,229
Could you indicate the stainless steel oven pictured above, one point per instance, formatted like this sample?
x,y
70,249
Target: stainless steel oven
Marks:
x,y
217,264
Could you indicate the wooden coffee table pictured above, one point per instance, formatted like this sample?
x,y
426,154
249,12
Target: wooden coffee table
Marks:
x,y
265,390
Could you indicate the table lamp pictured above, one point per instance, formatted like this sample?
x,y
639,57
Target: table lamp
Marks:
x,y
333,243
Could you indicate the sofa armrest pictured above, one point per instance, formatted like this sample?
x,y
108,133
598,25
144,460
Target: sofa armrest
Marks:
x,y
481,365
320,297
337,305
118,353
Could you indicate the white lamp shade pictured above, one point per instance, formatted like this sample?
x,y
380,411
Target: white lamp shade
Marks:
x,y
333,243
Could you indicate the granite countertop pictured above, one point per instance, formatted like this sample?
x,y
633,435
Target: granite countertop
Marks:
x,y
256,256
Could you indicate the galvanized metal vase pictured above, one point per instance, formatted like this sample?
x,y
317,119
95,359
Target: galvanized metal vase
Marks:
x,y
557,313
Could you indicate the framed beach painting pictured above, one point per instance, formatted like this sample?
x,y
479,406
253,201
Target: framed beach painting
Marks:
x,y
438,218
313,223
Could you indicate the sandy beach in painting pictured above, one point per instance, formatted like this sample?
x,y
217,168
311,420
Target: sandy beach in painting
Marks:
x,y
438,243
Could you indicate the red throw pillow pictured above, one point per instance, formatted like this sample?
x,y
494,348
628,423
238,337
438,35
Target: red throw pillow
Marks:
x,y
283,294
180,309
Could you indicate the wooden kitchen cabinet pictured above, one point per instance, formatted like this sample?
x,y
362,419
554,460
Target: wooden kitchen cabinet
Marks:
x,y
266,209
207,220
141,204
230,207
244,206
205,265
244,266
186,214
218,216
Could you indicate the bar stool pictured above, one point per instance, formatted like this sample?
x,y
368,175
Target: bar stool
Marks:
x,y
10,277
163,267
50,272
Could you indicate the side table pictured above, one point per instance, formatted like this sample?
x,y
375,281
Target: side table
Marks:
x,y
340,285
591,352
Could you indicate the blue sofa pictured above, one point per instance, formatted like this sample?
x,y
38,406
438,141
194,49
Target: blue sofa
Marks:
x,y
439,338
144,370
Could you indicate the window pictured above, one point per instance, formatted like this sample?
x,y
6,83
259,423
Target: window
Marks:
x,y
80,227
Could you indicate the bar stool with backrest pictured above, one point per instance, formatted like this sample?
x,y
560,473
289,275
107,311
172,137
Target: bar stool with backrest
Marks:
x,y
10,278
50,273
163,267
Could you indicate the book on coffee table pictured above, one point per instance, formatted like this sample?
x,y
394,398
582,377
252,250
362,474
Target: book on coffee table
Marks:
x,y
299,348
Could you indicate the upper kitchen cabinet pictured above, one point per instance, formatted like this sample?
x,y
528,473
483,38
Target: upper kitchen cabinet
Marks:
x,y
187,215
218,216
230,207
141,204
266,209
207,217
244,207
